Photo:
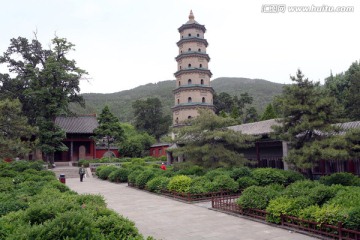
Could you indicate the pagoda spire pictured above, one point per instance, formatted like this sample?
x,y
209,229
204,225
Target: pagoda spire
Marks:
x,y
191,16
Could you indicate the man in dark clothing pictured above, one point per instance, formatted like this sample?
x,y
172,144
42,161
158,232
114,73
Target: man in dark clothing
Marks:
x,y
82,172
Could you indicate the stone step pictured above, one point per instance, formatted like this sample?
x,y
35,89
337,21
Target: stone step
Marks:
x,y
70,172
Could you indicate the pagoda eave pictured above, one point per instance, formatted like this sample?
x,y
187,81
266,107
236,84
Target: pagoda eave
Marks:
x,y
192,25
193,70
193,54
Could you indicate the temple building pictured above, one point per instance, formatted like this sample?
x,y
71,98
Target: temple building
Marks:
x,y
193,90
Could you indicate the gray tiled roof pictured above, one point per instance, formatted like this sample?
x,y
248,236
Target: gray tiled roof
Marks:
x,y
256,128
160,144
79,124
264,127
349,125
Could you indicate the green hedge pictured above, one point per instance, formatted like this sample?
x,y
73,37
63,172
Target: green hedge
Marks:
x,y
345,179
37,207
157,184
259,196
267,176
180,183
119,175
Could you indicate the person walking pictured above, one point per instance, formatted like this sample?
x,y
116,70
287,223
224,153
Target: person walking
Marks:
x,y
82,172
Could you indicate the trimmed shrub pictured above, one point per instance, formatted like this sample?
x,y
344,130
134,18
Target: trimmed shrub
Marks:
x,y
133,175
353,220
245,182
200,185
157,184
300,188
119,175
331,214
114,226
216,172
192,170
342,178
286,206
259,196
224,183
106,171
347,197
180,183
322,193
267,176
239,172
143,178
292,176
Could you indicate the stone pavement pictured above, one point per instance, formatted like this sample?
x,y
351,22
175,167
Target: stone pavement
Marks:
x,y
166,219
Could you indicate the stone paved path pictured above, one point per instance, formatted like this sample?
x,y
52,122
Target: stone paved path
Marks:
x,y
168,219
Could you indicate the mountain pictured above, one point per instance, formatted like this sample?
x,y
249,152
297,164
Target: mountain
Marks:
x,y
120,103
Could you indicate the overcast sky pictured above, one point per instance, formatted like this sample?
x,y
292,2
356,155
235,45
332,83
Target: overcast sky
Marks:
x,y
127,43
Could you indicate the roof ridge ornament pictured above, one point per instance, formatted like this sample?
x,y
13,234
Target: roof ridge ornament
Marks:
x,y
191,16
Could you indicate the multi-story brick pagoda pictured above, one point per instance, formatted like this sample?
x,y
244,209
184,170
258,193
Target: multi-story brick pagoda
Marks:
x,y
193,90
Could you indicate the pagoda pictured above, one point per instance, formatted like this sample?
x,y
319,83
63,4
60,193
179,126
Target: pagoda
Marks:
x,y
193,90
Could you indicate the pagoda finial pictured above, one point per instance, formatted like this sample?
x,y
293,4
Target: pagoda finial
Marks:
x,y
191,16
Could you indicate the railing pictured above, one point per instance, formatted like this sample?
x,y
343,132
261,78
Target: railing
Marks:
x,y
228,204
192,197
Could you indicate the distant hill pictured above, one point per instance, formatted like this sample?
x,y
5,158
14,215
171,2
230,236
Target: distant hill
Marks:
x,y
120,103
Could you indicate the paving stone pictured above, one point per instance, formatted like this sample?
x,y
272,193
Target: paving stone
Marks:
x,y
168,219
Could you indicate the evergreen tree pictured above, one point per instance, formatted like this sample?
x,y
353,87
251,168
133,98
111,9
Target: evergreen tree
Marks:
x,y
269,113
149,117
346,87
15,132
251,115
308,115
136,144
109,130
207,142
45,81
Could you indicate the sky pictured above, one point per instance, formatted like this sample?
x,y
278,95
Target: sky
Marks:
x,y
123,44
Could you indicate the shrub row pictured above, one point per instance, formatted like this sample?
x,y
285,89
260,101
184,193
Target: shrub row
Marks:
x,y
310,200
35,205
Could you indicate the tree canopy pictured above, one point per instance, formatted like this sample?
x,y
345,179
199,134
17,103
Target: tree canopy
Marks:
x,y
235,107
207,142
149,117
45,81
308,114
109,130
346,87
136,144
15,133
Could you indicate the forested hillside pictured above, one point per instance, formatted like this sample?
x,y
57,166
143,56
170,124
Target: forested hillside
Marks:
x,y
120,103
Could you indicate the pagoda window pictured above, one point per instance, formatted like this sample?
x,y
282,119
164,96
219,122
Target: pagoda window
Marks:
x,y
189,117
189,35
202,81
181,51
198,35
203,100
179,83
182,36
200,65
189,49
178,101
180,67
189,81
189,65
199,50
177,120
189,100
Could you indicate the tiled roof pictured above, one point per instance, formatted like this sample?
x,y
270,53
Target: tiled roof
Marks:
x,y
79,124
160,144
349,125
264,127
256,128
